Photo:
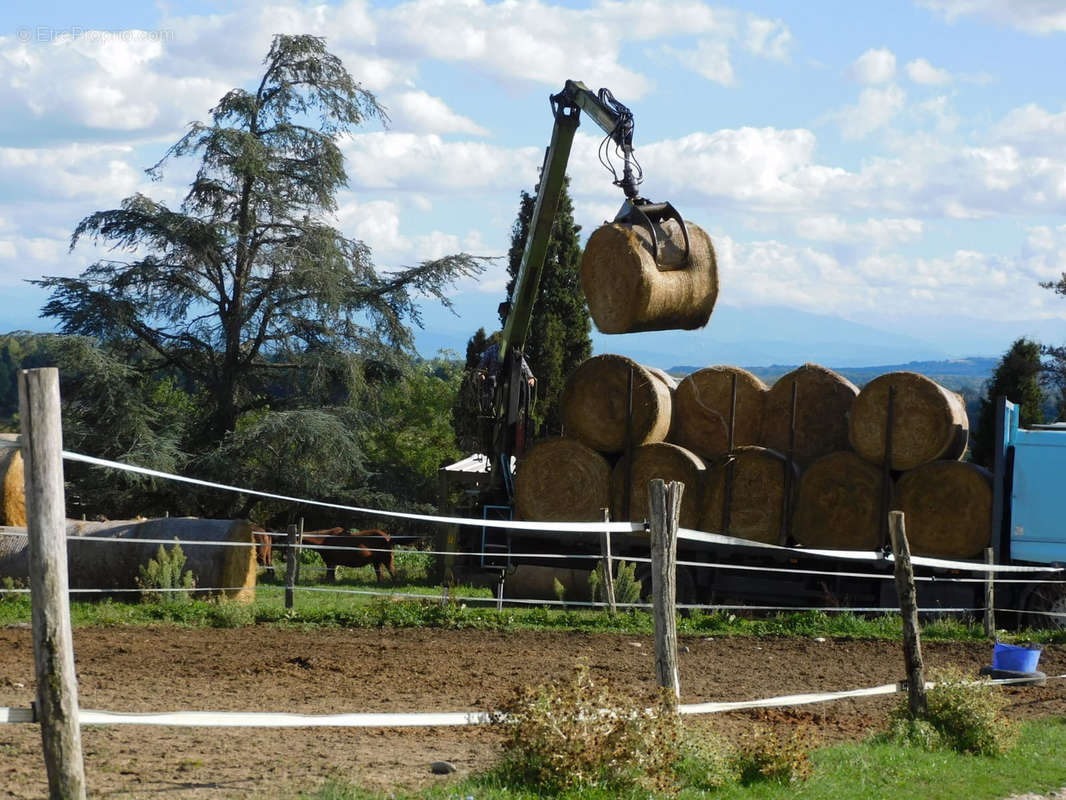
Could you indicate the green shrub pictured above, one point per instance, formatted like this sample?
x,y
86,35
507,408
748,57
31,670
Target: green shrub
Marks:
x,y
963,715
762,755
165,572
580,734
412,566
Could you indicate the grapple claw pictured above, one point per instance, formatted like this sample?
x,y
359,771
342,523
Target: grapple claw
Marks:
x,y
650,215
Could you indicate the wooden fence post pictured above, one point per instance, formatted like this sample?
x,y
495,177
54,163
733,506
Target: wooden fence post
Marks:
x,y
53,642
608,575
908,608
290,568
990,610
664,511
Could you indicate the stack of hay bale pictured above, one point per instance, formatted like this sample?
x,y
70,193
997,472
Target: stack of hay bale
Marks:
x,y
820,482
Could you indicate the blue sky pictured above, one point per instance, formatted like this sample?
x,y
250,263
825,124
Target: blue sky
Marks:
x,y
882,181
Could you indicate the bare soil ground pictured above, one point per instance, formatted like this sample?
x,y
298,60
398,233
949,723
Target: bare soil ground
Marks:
x,y
333,671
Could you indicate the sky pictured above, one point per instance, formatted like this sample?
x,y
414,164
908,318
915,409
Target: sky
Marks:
x,y
883,182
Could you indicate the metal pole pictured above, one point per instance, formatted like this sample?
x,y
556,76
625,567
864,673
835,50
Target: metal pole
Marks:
x,y
53,641
886,469
727,506
790,456
627,483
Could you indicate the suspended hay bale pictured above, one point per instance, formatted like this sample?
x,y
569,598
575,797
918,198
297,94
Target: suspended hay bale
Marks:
x,y
839,504
628,292
659,460
702,405
562,480
823,401
757,497
594,404
226,570
947,506
12,484
14,553
928,421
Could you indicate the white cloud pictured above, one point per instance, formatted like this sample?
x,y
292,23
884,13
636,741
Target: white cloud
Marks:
x,y
921,71
93,172
709,59
769,38
421,112
872,231
428,164
875,109
1040,17
1033,131
874,66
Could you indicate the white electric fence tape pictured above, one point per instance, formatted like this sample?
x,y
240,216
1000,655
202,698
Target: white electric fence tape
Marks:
x,y
268,719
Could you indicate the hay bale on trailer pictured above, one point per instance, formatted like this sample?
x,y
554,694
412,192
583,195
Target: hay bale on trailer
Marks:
x,y
12,483
823,402
948,508
839,504
758,493
628,291
562,480
658,460
929,422
594,404
96,565
702,406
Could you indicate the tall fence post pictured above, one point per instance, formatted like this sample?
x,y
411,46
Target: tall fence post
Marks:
x,y
608,575
908,608
299,547
664,512
990,611
290,567
53,641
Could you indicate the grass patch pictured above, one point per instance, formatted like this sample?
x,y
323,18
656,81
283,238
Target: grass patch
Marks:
x,y
874,770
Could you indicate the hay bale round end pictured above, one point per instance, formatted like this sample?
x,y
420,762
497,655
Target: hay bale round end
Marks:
x,y
929,422
702,406
12,484
839,504
823,403
758,494
658,460
594,404
628,291
562,480
947,506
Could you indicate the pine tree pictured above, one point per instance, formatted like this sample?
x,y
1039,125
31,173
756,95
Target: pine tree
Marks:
x,y
560,329
1017,377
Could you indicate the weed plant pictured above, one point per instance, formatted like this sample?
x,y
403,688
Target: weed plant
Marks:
x,y
963,715
162,579
764,755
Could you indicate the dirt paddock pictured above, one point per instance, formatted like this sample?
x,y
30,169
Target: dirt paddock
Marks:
x,y
333,671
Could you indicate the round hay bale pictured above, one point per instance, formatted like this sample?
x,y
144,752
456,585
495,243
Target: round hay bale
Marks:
x,y
701,410
839,504
823,402
12,484
947,506
664,376
929,422
628,292
659,460
757,498
227,570
562,480
594,404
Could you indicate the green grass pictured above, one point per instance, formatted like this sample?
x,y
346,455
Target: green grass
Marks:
x,y
861,771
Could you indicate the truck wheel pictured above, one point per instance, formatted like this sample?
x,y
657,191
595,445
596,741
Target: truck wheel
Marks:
x,y
1046,605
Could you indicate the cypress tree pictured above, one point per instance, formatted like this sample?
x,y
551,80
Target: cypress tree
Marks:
x,y
560,329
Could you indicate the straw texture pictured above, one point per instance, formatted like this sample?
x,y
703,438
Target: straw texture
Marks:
x,y
839,504
562,480
948,508
702,406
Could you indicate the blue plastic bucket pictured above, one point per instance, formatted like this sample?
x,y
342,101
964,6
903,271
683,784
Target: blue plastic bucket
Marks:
x,y
1014,658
